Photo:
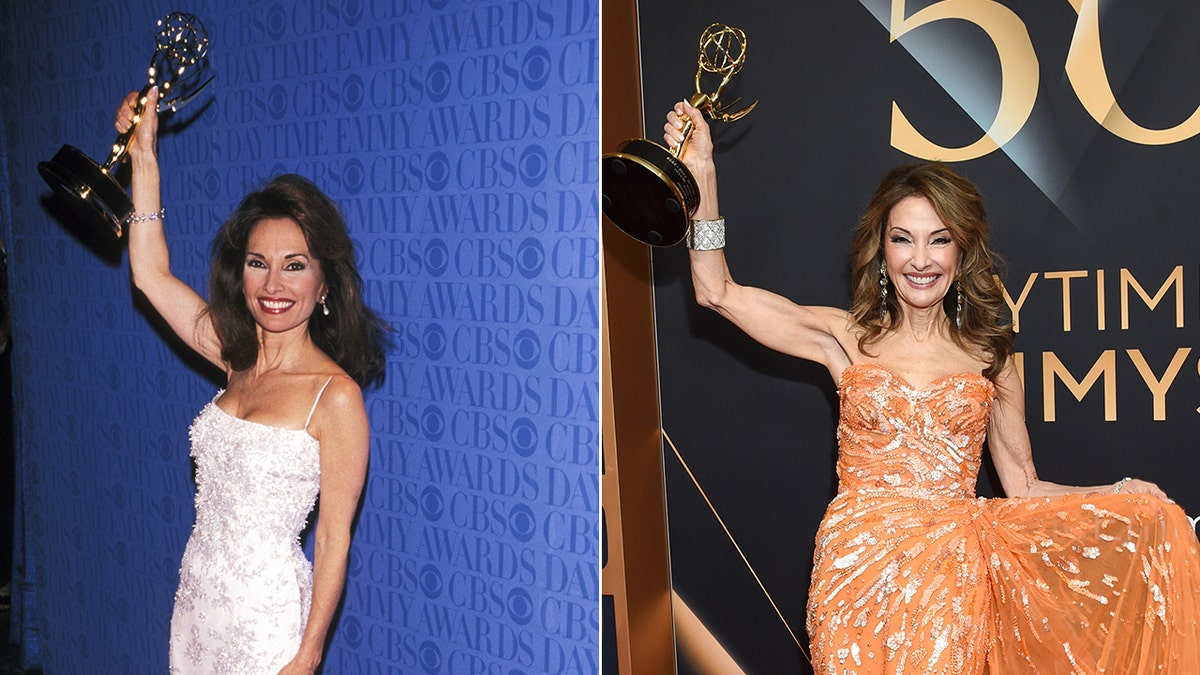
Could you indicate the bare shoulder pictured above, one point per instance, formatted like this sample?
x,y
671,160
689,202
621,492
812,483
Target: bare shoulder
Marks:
x,y
838,319
1008,382
341,395
340,412
845,330
841,348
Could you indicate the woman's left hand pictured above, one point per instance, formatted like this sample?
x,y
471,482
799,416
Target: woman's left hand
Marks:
x,y
299,666
697,152
1137,486
143,141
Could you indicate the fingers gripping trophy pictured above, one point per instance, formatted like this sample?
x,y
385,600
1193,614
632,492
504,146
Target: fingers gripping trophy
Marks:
x,y
647,191
179,68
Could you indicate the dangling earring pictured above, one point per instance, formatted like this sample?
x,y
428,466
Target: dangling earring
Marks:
x,y
883,310
324,307
958,312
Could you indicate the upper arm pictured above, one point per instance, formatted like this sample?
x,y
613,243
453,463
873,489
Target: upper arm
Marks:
x,y
185,312
340,426
1008,435
809,332
821,334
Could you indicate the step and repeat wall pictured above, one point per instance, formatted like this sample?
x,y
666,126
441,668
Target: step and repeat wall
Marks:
x,y
459,139
1077,120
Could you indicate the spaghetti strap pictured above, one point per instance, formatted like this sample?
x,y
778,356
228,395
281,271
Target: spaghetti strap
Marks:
x,y
314,405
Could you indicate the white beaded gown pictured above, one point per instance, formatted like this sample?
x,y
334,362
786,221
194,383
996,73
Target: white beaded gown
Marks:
x,y
245,586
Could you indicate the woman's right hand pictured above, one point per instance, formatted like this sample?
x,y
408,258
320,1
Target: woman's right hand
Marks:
x,y
143,143
698,151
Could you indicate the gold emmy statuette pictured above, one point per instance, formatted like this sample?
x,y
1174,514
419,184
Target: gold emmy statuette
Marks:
x,y
178,68
647,191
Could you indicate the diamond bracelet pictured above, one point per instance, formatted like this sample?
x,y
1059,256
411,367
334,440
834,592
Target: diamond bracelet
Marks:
x,y
160,214
706,235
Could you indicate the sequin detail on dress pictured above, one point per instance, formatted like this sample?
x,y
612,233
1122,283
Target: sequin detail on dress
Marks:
x,y
245,587
914,574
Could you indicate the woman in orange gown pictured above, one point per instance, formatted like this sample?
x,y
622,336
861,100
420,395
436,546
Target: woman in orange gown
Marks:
x,y
912,572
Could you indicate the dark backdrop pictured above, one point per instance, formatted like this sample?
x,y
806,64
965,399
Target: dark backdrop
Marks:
x,y
1073,206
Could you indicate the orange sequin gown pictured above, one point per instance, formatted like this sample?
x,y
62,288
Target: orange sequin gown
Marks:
x,y
914,574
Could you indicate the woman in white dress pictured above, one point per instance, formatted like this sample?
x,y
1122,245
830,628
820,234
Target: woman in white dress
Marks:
x,y
287,324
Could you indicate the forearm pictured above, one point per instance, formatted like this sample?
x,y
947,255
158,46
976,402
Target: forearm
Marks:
x,y
1045,488
1125,485
329,580
148,255
706,183
149,260
710,277
710,273
1025,483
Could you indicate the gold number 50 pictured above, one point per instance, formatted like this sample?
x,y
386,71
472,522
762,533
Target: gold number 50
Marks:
x,y
1085,70
1019,79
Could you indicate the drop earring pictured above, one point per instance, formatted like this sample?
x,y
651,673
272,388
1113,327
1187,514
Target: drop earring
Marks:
x,y
958,312
324,307
883,292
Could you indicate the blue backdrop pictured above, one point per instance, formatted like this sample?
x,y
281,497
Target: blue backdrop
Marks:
x,y
460,140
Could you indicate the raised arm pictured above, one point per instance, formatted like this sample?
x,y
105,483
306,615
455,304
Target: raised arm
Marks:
x,y
340,424
821,334
149,259
1008,442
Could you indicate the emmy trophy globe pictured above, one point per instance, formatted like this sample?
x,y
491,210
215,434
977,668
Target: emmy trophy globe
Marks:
x,y
647,191
178,67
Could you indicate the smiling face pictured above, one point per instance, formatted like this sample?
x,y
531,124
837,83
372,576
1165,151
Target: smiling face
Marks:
x,y
281,280
921,256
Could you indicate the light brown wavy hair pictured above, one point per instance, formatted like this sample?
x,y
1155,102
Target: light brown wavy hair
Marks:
x,y
985,323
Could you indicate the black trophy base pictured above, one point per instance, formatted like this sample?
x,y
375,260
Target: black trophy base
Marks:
x,y
648,193
92,193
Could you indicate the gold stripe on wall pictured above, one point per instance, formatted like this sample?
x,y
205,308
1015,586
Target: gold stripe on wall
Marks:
x,y
637,574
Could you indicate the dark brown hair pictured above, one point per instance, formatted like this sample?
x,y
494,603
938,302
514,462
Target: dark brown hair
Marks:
x,y
957,202
352,335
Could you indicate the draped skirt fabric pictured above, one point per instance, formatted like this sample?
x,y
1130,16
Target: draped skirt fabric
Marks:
x,y
915,575
1055,585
